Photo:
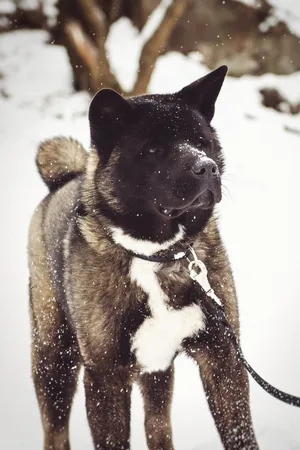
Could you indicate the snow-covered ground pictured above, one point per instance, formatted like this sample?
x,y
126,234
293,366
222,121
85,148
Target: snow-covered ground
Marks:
x,y
259,217
287,11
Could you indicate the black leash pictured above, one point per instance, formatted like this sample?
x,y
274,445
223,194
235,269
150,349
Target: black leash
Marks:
x,y
272,390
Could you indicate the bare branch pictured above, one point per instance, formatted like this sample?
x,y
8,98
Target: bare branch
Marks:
x,y
84,49
156,44
95,17
114,12
98,68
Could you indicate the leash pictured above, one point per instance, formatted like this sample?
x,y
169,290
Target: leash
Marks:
x,y
198,273
272,390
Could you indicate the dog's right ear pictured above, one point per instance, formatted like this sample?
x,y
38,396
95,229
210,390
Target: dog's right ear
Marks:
x,y
203,93
108,115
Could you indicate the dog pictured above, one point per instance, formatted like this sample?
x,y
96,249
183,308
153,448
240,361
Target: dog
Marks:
x,y
146,189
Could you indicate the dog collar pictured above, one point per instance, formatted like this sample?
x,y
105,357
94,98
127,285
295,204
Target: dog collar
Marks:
x,y
169,257
159,257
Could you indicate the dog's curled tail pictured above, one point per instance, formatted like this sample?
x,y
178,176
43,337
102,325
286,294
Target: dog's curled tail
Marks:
x,y
59,160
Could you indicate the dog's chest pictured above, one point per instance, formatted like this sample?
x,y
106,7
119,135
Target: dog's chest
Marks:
x,y
159,337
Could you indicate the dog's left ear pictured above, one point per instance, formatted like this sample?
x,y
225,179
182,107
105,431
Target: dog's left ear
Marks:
x,y
108,115
203,93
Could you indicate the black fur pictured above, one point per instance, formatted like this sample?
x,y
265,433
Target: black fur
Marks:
x,y
151,138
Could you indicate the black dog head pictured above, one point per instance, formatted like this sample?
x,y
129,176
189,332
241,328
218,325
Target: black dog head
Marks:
x,y
162,155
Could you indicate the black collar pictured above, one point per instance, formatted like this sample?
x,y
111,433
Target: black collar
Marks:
x,y
168,257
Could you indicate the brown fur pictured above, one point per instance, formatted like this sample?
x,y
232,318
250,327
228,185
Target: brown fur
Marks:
x,y
59,160
84,307
55,358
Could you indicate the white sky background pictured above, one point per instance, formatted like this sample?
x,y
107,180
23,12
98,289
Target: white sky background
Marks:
x,y
260,223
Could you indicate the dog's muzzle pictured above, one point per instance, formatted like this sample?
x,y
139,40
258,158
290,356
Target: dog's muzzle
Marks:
x,y
208,174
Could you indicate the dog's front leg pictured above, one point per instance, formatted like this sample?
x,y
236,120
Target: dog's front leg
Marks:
x,y
157,391
108,407
225,382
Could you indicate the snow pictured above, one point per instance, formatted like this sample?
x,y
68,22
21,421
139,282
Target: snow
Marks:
x,y
7,7
252,3
287,11
259,219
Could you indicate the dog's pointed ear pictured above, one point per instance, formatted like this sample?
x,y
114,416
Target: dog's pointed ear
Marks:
x,y
203,93
108,114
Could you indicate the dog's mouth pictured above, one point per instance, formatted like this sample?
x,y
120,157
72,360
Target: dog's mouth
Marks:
x,y
206,200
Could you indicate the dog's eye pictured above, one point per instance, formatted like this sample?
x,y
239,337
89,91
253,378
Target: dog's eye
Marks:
x,y
151,150
204,142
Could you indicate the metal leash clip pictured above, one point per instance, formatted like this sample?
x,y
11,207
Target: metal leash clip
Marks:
x,y
198,272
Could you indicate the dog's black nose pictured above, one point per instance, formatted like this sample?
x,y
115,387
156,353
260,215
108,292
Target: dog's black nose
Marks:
x,y
205,167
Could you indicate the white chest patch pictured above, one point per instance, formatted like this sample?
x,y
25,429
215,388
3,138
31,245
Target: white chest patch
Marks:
x,y
159,337
142,246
